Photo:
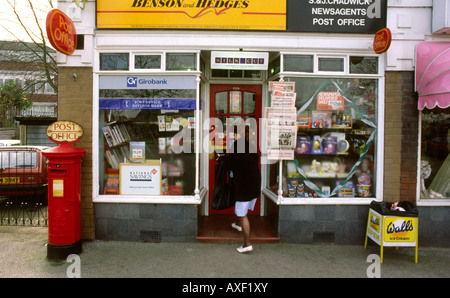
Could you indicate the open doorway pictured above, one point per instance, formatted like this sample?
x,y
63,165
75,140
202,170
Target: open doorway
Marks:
x,y
230,104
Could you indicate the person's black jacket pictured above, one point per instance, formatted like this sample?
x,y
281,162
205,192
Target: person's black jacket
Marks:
x,y
246,173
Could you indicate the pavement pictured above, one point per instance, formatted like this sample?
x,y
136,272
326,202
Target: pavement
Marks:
x,y
23,254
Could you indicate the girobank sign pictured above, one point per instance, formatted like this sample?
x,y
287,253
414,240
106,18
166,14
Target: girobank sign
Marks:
x,y
147,82
134,81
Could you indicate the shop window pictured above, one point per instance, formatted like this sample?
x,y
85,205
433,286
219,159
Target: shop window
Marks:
x,y
80,42
114,61
181,61
221,102
252,74
335,152
235,73
147,62
299,63
364,65
274,66
225,73
331,64
141,126
249,103
435,157
219,73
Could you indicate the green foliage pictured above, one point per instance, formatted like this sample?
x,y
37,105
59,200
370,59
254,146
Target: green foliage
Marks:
x,y
11,95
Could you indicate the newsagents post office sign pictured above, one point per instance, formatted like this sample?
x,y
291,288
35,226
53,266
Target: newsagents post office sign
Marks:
x,y
337,16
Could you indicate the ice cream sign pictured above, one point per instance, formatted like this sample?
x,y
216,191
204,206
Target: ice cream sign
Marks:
x,y
64,131
399,229
390,230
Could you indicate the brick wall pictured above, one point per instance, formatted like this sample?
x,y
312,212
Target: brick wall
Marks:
x,y
410,126
75,104
392,137
400,138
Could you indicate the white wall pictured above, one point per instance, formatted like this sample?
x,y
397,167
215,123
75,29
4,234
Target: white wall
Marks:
x,y
84,21
410,22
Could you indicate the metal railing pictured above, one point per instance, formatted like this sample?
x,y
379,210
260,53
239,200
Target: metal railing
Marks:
x,y
23,189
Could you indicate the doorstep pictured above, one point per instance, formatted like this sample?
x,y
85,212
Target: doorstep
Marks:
x,y
217,228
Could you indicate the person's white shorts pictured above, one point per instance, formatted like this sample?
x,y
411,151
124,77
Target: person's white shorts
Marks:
x,y
241,208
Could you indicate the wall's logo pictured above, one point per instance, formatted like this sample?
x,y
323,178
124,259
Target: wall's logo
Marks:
x,y
132,81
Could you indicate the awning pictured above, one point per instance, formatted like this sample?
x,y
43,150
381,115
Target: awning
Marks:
x,y
433,74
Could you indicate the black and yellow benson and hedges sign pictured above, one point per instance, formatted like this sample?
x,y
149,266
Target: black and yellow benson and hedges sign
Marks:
x,y
338,16
192,14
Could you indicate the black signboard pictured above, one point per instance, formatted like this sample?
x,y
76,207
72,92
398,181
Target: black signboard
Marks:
x,y
336,16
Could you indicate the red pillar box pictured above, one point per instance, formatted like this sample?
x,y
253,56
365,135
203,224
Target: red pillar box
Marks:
x,y
64,190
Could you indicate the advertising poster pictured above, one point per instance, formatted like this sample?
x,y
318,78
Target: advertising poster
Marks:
x,y
399,229
192,14
330,101
140,179
281,121
373,227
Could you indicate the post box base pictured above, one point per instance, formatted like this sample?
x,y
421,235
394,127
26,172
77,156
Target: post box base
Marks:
x,y
61,252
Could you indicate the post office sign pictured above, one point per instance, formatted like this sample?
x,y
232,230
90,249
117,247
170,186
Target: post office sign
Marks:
x,y
64,131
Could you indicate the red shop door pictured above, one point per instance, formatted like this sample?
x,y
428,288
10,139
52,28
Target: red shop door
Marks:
x,y
231,104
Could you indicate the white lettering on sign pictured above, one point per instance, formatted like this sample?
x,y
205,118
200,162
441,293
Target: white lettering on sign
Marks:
x,y
64,131
344,13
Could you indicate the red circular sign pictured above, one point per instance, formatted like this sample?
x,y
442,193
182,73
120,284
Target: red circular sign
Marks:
x,y
61,32
382,40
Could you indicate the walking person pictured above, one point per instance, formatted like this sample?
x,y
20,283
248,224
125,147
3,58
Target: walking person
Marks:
x,y
243,161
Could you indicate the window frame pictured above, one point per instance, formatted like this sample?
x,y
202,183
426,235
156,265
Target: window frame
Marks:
x,y
161,199
133,61
133,54
425,201
346,60
379,144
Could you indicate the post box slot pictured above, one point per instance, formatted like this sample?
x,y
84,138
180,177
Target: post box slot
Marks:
x,y
58,171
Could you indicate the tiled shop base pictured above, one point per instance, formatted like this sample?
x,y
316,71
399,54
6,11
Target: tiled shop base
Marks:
x,y
217,228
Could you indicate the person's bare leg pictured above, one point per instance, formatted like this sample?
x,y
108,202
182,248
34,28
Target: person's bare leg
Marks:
x,y
245,224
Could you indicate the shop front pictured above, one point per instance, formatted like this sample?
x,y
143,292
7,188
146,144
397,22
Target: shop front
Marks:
x,y
161,115
165,101
432,83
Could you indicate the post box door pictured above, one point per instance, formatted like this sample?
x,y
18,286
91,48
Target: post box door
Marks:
x,y
61,208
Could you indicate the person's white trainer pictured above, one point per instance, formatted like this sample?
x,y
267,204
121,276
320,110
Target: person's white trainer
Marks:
x,y
243,249
235,226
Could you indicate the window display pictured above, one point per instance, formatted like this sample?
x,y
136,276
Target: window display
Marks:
x,y
435,157
146,121
336,135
